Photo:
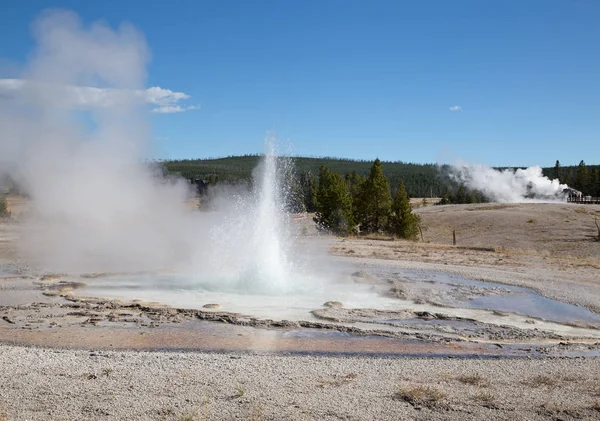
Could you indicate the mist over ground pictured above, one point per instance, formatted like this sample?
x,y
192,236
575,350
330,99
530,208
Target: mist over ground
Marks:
x,y
96,205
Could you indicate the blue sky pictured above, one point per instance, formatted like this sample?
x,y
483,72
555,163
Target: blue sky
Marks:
x,y
363,79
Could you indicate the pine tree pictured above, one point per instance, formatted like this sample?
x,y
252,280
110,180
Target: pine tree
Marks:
x,y
582,181
354,182
557,172
403,222
309,190
373,208
569,180
4,206
594,182
461,195
334,204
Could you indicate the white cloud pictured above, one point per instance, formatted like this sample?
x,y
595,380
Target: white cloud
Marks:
x,y
170,109
86,97
159,96
455,108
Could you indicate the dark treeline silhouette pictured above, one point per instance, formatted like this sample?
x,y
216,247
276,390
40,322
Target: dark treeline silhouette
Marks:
x,y
585,178
420,180
463,195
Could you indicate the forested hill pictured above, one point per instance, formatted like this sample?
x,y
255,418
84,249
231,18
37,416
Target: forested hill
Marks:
x,y
421,180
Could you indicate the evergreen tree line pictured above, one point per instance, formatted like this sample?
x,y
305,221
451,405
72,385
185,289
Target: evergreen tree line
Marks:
x,y
420,180
354,203
583,178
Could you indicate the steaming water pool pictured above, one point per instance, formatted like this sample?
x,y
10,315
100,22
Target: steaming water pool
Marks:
x,y
487,302
186,292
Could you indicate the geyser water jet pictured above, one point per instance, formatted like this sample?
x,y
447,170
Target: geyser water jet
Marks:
x,y
269,264
253,243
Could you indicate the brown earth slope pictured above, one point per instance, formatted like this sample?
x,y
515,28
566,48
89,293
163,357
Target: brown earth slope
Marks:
x,y
550,229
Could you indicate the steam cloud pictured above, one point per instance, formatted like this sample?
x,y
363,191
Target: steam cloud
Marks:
x,y
95,204
75,134
509,186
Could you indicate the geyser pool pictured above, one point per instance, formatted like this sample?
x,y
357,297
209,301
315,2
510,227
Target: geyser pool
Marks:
x,y
184,292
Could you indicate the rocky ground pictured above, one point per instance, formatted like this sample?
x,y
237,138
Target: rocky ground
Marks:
x,y
44,384
58,357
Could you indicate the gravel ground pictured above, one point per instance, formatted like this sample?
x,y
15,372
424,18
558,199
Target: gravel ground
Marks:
x,y
54,384
61,384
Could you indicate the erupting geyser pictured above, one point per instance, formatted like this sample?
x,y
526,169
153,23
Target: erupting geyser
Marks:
x,y
76,136
252,243
269,264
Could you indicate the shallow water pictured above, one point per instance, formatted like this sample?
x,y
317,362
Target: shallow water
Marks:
x,y
187,292
454,295
504,298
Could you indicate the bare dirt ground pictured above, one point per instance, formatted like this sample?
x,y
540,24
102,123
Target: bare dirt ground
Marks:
x,y
562,231
549,248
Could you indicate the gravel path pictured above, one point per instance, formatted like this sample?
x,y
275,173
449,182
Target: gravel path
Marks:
x,y
53,384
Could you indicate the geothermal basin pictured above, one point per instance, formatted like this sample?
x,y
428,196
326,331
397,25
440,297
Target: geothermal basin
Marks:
x,y
251,276
369,309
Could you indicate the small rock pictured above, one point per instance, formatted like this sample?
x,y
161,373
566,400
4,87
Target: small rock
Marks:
x,y
361,274
211,305
333,304
425,315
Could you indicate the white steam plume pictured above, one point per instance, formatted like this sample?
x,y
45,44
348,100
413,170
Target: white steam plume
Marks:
x,y
509,186
95,204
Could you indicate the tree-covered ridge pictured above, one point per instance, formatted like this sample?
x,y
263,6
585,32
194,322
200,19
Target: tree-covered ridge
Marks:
x,y
420,180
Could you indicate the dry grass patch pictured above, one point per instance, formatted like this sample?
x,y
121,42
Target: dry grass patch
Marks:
x,y
473,379
240,391
487,400
541,381
491,207
257,413
337,380
421,396
553,409
190,416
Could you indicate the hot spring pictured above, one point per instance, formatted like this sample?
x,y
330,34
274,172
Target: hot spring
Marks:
x,y
251,258
254,259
